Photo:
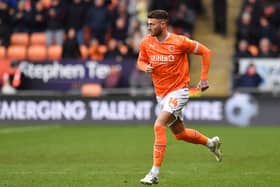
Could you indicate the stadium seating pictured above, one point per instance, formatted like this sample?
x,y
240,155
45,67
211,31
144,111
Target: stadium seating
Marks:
x,y
2,52
54,52
84,51
253,49
103,49
16,52
37,53
20,39
91,90
46,3
38,38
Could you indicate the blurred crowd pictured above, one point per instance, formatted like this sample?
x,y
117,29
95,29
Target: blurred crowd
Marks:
x,y
108,28
257,36
258,29
40,30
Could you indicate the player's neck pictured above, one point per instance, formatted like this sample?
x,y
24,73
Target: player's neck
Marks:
x,y
164,35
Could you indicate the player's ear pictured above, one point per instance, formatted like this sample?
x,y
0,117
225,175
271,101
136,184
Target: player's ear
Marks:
x,y
163,22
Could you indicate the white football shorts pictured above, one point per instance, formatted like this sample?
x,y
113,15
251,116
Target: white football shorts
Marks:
x,y
174,102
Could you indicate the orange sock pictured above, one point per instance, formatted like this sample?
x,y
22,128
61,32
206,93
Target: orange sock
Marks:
x,y
160,144
192,136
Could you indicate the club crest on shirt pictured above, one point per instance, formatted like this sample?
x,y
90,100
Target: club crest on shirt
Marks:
x,y
171,48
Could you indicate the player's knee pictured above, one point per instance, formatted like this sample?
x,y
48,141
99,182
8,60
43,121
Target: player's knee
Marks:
x,y
159,128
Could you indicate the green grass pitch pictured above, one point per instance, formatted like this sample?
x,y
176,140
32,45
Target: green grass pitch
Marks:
x,y
119,156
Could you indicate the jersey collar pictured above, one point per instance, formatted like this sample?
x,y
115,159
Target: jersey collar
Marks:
x,y
167,36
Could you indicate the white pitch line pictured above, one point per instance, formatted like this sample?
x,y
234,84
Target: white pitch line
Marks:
x,y
70,172
25,129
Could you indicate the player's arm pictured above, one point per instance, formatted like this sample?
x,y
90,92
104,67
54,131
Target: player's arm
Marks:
x,y
199,49
206,59
143,60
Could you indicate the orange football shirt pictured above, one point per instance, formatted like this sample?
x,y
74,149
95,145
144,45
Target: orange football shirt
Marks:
x,y
169,61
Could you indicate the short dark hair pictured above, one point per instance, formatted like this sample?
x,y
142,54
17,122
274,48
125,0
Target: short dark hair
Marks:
x,y
158,14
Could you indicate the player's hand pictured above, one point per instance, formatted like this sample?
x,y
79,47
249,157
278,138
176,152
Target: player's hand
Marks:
x,y
203,85
149,69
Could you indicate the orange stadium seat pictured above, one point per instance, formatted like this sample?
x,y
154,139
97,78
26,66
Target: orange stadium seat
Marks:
x,y
16,52
4,67
54,52
46,3
91,90
37,53
253,50
38,38
103,49
84,51
2,52
18,38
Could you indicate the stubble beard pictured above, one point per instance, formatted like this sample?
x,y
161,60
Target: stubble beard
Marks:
x,y
156,33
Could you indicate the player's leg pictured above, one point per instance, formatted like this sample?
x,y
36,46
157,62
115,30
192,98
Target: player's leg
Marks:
x,y
195,137
188,135
159,146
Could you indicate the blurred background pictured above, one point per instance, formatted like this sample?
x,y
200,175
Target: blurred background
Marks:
x,y
74,61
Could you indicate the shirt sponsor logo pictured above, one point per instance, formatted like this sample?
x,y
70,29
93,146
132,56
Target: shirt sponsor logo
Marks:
x,y
162,59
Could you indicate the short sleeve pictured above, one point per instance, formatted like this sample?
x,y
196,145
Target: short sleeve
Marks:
x,y
189,45
143,57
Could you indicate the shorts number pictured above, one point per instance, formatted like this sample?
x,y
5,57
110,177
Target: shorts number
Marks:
x,y
173,102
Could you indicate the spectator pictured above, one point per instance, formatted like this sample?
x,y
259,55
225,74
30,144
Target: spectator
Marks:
x,y
12,3
266,30
242,50
265,48
98,20
120,28
76,18
117,50
120,23
125,50
112,52
131,8
5,23
55,23
87,3
183,20
246,29
269,12
141,9
250,79
220,16
38,19
254,8
70,45
161,4
21,18
135,36
96,51
260,19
